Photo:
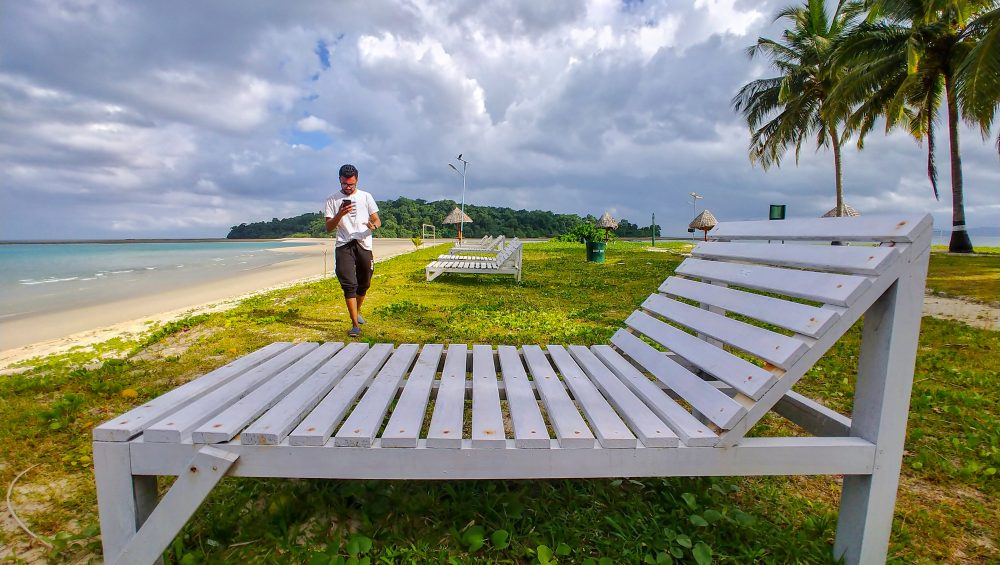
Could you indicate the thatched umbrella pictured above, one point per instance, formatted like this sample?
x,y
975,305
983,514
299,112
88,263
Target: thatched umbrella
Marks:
x,y
607,223
705,221
457,217
845,211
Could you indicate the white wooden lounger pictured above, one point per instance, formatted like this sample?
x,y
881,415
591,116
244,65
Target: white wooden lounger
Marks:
x,y
490,244
627,409
506,262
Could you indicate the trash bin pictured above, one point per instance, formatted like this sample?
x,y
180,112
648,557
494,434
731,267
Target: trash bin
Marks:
x,y
595,251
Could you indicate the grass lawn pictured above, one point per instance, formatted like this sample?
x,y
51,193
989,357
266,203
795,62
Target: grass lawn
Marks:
x,y
947,508
975,278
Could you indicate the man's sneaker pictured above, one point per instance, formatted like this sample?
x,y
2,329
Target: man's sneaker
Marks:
x,y
355,331
361,320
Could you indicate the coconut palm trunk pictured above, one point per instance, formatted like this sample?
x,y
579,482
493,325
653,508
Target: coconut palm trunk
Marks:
x,y
960,241
838,171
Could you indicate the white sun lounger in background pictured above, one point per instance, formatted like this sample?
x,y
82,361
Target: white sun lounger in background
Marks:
x,y
506,262
493,244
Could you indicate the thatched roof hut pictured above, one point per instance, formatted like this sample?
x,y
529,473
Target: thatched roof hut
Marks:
x,y
457,217
704,221
845,211
607,222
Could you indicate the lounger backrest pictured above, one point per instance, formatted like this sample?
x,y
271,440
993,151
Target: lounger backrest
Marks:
x,y
795,295
505,253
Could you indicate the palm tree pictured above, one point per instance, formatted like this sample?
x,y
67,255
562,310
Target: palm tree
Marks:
x,y
979,74
905,62
782,111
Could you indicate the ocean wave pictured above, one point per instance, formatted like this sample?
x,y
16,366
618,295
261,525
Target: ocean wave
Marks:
x,y
30,282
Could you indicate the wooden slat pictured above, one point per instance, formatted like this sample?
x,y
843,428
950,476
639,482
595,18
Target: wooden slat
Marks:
x,y
178,426
319,425
526,417
795,316
276,423
607,425
131,423
864,260
449,405
690,430
742,375
830,288
571,430
650,429
705,398
611,431
225,425
403,428
487,420
365,420
777,349
901,228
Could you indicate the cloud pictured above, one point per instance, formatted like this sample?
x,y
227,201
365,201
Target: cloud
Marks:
x,y
312,123
152,120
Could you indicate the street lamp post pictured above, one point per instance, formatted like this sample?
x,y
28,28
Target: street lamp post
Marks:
x,y
465,165
695,197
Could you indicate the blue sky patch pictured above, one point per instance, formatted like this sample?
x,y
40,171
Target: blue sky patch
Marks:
x,y
314,139
323,53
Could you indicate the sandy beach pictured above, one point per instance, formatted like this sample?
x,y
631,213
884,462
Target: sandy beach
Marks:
x,y
57,332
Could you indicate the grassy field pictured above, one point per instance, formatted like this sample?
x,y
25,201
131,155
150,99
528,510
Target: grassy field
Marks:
x,y
975,278
948,501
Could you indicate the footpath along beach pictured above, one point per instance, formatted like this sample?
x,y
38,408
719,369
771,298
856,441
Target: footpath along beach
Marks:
x,y
56,332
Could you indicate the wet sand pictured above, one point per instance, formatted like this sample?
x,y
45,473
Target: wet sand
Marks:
x,y
56,332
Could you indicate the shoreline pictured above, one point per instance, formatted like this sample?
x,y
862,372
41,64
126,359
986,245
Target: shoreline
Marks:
x,y
59,332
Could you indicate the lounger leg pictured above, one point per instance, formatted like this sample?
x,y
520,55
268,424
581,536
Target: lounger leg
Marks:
x,y
204,471
881,403
124,500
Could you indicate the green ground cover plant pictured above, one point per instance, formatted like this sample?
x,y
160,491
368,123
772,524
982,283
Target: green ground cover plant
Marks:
x,y
946,512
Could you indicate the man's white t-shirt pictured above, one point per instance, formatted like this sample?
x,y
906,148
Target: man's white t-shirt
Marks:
x,y
352,226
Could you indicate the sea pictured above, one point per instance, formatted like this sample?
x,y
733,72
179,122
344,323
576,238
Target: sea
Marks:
x,y
39,278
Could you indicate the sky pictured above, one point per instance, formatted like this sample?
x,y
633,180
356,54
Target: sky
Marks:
x,y
152,119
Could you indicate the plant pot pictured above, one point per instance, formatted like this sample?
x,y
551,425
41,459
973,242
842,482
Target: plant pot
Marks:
x,y
595,251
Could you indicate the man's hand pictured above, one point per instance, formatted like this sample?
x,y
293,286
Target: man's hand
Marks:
x,y
371,225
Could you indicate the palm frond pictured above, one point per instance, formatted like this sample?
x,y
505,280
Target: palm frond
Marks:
x,y
977,78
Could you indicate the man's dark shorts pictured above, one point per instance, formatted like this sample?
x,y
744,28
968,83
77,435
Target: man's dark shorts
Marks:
x,y
355,265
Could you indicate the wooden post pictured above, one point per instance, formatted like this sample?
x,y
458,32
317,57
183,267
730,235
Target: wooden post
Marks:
x,y
125,500
881,406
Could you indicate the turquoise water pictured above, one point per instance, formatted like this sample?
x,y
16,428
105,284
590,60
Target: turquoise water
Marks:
x,y
977,241
38,278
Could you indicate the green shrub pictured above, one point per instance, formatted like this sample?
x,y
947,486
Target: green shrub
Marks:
x,y
586,231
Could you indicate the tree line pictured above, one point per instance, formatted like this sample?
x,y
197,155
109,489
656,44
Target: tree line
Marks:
x,y
898,62
404,217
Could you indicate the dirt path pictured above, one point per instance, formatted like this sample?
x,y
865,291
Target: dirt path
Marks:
x,y
974,314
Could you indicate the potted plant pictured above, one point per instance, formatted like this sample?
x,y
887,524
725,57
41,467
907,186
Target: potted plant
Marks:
x,y
594,237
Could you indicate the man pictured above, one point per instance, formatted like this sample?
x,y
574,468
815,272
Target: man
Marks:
x,y
354,214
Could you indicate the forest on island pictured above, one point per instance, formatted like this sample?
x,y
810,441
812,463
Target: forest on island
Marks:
x,y
404,217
